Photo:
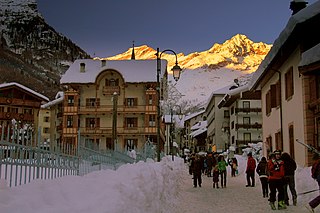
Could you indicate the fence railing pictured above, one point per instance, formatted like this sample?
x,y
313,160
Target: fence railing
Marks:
x,y
23,158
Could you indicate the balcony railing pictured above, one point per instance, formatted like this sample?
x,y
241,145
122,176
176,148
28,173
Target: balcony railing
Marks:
x,y
120,130
248,126
247,110
109,90
120,109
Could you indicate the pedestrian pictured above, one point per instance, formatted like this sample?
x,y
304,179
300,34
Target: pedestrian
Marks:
x,y
190,162
222,166
234,167
250,170
197,166
276,182
209,164
262,170
315,174
215,177
290,167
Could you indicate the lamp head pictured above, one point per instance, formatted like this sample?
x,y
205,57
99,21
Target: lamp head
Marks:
x,y
176,69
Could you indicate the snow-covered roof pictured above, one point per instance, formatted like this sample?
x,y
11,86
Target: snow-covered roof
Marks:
x,y
310,56
131,70
300,17
188,117
233,92
199,125
198,132
58,99
24,88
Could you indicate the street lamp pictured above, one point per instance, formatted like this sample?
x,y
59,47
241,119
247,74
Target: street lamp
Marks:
x,y
172,127
176,75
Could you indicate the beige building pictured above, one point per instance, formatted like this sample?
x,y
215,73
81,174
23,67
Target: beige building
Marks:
x,y
113,104
189,121
217,121
244,125
285,92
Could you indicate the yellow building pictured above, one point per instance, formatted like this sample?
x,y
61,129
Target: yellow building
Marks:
x,y
113,104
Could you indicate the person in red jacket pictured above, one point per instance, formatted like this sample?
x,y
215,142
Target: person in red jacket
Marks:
x,y
250,171
276,180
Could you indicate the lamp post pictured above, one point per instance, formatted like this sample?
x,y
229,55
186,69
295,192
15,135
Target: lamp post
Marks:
x,y
176,75
172,127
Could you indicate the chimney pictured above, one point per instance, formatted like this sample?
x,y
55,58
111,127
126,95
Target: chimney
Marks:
x,y
103,63
82,67
297,5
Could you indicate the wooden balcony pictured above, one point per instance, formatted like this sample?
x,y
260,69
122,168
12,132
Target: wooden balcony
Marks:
x,y
19,102
120,109
248,126
109,90
17,116
248,110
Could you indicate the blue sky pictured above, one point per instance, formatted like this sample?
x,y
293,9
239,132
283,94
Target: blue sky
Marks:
x,y
107,27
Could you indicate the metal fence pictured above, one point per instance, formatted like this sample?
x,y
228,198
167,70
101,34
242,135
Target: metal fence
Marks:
x,y
23,158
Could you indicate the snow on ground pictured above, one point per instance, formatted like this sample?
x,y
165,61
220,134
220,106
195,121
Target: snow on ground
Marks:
x,y
164,187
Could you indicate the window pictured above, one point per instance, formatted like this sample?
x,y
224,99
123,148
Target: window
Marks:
x,y
152,120
269,145
112,82
289,83
150,100
131,102
246,104
131,144
109,143
279,143
268,102
232,125
226,114
28,111
46,119
92,102
232,110
13,109
69,121
70,99
247,137
92,122
131,122
46,130
291,141
1,109
246,120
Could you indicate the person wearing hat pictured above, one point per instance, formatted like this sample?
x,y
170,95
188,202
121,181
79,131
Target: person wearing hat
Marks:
x,y
276,182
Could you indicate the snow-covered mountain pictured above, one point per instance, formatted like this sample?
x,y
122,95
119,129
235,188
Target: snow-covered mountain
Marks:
x,y
204,72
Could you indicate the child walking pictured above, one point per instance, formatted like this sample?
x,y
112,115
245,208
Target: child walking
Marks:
x,y
215,177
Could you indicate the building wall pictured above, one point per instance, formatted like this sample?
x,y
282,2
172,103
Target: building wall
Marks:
x,y
292,110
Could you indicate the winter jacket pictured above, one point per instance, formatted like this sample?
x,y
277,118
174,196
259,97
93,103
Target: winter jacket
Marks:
x,y
276,169
290,165
222,165
197,166
315,170
251,164
262,169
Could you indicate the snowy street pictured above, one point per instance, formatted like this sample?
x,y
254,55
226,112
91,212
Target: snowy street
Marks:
x,y
234,198
147,187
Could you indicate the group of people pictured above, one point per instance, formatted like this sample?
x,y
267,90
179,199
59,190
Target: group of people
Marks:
x,y
276,175
212,165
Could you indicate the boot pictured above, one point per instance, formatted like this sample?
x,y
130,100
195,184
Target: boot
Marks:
x,y
281,205
273,207
294,201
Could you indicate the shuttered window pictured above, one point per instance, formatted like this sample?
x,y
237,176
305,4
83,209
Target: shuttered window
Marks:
x,y
289,83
